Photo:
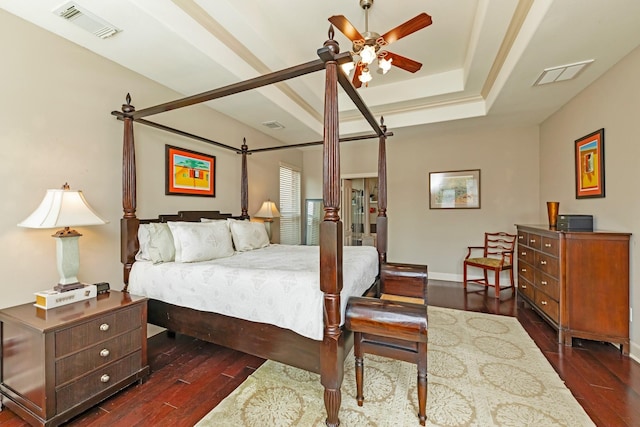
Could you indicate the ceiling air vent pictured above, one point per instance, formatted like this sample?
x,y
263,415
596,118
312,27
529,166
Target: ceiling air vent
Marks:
x,y
273,125
86,20
561,73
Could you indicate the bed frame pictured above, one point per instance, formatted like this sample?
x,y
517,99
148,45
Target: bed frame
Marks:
x,y
325,357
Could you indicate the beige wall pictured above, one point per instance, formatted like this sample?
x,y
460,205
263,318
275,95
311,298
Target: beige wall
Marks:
x,y
507,158
613,103
56,127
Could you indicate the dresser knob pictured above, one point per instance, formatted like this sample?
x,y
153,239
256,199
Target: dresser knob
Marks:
x,y
544,282
523,286
105,378
104,327
520,237
547,245
524,270
104,352
523,253
543,302
532,240
543,262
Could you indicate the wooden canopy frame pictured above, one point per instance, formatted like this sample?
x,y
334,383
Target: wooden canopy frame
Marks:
x,y
327,356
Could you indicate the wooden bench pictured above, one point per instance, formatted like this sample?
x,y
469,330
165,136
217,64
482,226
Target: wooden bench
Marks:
x,y
393,328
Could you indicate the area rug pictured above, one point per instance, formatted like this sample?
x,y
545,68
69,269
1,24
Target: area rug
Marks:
x,y
483,370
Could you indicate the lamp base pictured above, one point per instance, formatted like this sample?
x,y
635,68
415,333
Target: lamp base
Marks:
x,y
67,287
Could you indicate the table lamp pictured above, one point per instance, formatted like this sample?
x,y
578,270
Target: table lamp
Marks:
x,y
267,211
64,208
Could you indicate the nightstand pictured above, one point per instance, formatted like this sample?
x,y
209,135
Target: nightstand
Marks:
x,y
59,362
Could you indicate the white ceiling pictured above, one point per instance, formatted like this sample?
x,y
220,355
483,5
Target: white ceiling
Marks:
x,y
480,57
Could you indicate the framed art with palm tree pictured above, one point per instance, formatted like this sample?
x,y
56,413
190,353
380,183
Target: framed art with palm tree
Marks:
x,y
189,173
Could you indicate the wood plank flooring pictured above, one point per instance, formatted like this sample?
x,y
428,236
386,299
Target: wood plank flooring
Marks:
x,y
189,377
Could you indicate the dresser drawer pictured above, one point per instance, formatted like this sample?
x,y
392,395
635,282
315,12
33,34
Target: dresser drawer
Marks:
x,y
97,381
547,264
526,254
550,245
525,271
77,364
533,240
526,289
523,238
549,285
547,305
97,330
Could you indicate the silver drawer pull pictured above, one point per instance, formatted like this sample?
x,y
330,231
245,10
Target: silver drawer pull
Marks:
x,y
543,302
520,237
104,327
544,282
547,245
523,286
524,270
543,262
104,352
105,378
532,240
523,253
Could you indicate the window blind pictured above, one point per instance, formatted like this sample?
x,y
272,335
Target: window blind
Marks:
x,y
290,218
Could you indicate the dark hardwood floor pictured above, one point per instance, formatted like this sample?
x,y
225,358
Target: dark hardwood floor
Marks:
x,y
189,377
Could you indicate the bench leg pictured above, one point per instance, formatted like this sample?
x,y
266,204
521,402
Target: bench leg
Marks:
x,y
422,382
357,350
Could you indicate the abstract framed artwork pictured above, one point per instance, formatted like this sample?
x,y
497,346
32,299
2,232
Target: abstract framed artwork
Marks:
x,y
189,173
589,163
454,189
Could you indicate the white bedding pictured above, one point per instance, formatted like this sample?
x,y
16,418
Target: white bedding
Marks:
x,y
278,284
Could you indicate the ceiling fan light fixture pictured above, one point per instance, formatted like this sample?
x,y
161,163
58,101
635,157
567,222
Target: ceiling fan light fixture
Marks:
x,y
368,54
385,64
347,67
365,77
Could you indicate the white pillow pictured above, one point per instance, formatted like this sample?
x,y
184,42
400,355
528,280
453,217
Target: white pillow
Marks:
x,y
248,235
156,243
201,241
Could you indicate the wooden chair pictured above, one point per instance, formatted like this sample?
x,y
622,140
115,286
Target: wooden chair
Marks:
x,y
497,256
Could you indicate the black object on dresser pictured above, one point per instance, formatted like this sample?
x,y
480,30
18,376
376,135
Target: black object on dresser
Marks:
x,y
578,281
57,363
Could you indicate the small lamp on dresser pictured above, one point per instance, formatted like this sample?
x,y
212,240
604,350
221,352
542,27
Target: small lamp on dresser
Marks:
x,y
64,208
267,211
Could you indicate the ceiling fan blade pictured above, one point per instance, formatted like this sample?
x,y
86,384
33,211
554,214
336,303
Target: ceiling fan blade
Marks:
x,y
345,27
411,26
356,74
401,62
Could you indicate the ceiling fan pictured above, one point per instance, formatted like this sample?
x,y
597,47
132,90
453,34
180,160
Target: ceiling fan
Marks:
x,y
369,45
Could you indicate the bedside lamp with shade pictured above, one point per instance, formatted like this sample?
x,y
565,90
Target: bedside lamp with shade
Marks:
x,y
267,211
64,208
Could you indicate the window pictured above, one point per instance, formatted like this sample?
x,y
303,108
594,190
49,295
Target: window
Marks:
x,y
290,217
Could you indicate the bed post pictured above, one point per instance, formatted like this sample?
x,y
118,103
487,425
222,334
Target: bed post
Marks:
x,y
381,221
244,181
129,223
331,357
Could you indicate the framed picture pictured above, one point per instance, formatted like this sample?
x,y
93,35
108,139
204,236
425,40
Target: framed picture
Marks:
x,y
454,189
189,173
590,165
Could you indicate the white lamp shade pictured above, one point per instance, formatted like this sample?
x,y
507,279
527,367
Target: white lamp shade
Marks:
x,y
62,208
267,210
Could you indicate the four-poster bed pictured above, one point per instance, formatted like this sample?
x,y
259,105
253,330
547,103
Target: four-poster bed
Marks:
x,y
325,356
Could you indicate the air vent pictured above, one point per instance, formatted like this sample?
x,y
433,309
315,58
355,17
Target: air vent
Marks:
x,y
86,20
273,125
561,73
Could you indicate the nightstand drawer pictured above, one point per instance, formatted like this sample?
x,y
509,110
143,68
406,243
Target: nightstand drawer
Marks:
x,y
100,329
99,380
78,364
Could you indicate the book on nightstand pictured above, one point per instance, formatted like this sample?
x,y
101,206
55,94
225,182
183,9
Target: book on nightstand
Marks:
x,y
51,299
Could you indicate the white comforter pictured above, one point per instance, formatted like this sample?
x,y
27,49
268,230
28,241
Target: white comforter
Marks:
x,y
278,285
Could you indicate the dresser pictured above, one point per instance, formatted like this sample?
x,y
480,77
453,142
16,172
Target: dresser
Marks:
x,y
578,281
59,362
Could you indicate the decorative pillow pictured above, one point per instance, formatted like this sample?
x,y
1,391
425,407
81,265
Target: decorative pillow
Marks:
x,y
156,243
201,241
248,235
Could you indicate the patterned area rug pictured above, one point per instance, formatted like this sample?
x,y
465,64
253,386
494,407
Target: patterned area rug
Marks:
x,y
484,370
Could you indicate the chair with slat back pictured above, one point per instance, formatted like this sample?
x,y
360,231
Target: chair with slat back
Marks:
x,y
497,256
